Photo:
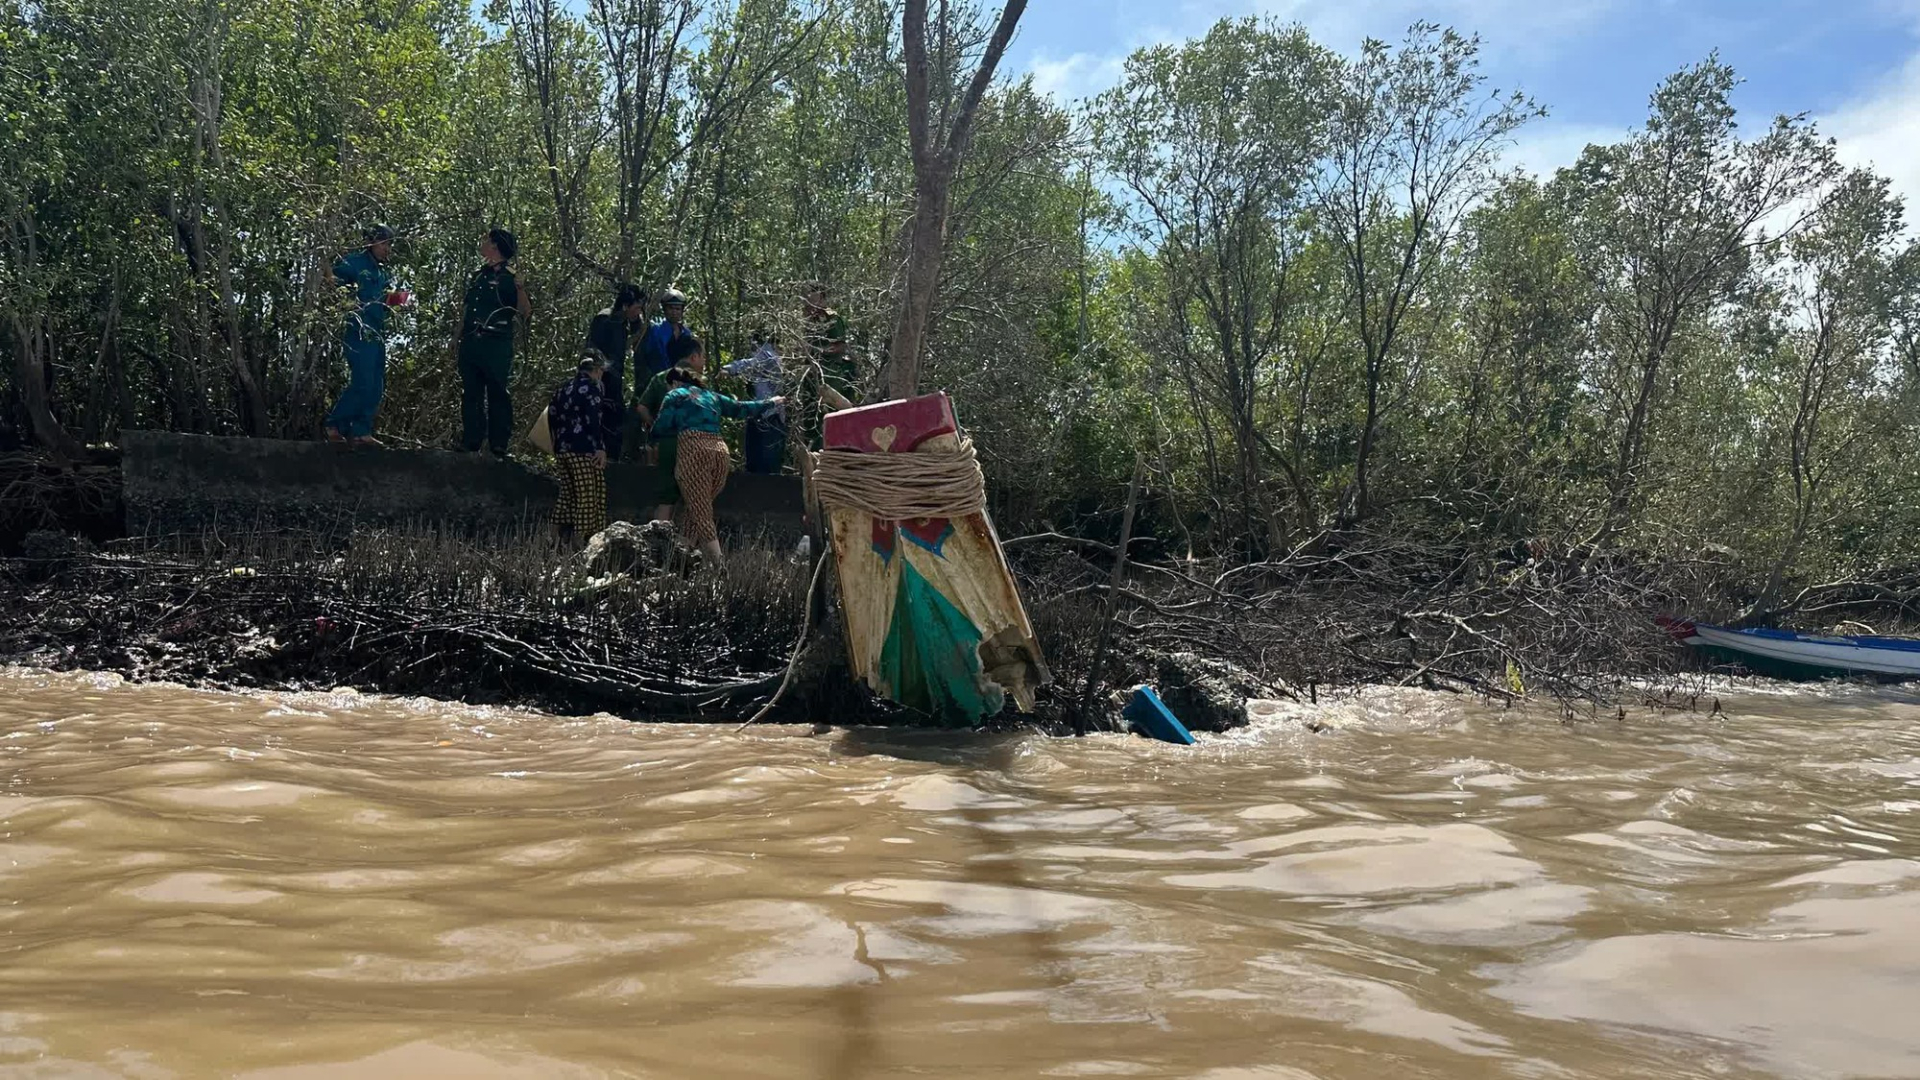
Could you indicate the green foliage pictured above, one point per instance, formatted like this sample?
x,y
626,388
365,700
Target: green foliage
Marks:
x,y
1294,281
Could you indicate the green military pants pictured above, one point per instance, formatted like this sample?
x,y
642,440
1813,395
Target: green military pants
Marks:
x,y
666,483
486,410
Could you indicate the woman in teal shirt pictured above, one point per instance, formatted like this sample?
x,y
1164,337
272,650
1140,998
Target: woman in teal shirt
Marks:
x,y
692,413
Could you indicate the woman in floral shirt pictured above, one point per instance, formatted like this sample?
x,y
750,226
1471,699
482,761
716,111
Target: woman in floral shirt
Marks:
x,y
692,413
579,445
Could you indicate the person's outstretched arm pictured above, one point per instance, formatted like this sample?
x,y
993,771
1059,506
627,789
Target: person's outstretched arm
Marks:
x,y
736,409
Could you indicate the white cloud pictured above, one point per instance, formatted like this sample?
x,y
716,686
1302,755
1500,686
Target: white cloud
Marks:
x,y
1522,31
1078,76
1529,30
1902,9
1544,146
1882,130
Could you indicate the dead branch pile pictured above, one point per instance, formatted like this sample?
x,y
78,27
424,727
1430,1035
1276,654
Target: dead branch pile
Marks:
x,y
520,620
1889,598
1375,606
516,620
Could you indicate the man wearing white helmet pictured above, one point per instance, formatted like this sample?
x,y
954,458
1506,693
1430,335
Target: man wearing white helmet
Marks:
x,y
652,354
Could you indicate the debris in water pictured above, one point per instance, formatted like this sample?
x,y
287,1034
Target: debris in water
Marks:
x,y
1148,715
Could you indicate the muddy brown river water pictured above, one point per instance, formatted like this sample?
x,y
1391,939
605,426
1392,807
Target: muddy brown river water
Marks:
x,y
309,886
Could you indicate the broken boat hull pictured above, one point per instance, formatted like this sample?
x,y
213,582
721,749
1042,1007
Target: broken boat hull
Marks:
x,y
933,618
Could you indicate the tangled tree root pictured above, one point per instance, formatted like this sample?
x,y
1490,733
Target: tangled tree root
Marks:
x,y
38,493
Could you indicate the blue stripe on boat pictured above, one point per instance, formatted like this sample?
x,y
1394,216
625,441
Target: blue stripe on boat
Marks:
x,y
1859,642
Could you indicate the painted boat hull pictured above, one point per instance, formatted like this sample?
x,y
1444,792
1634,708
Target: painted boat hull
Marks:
x,y
933,619
1884,656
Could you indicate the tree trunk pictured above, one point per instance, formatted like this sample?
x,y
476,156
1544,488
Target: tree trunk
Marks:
x,y
109,382
1627,462
31,370
1080,269
1114,585
925,250
30,343
217,244
936,158
1801,441
253,400
1362,497
1770,594
308,378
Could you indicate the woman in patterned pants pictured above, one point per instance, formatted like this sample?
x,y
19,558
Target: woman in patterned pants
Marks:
x,y
692,413
581,509
702,473
580,450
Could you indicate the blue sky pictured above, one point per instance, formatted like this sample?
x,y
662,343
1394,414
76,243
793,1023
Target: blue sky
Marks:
x,y
1853,64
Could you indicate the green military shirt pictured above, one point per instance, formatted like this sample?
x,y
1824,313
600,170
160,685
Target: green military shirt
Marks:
x,y
651,398
493,300
666,483
827,345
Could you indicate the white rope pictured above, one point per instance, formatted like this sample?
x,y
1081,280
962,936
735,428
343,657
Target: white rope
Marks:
x,y
799,643
928,483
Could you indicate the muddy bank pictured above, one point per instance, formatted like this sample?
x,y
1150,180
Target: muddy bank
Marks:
x,y
38,493
473,600
511,619
640,630
635,627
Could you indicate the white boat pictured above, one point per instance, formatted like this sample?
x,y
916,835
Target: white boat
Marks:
x,y
1892,656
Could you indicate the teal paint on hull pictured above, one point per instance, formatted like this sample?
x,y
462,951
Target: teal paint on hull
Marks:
x,y
931,657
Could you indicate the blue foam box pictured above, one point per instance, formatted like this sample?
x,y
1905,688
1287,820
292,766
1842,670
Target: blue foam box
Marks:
x,y
1149,716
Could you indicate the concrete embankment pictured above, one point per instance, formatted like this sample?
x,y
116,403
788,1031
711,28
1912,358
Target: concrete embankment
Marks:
x,y
177,483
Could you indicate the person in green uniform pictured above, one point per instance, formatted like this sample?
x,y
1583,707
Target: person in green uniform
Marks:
x,y
684,353
827,341
483,346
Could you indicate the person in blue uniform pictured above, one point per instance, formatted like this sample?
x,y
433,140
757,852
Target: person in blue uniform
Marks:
x,y
363,338
652,354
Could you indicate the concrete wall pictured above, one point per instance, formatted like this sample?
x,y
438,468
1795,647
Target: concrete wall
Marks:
x,y
181,483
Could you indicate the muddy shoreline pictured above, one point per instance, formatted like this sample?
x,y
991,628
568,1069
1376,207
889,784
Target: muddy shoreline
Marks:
x,y
639,631
505,615
509,622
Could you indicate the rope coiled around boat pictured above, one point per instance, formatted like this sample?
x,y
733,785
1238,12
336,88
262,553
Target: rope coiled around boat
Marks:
x,y
933,482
